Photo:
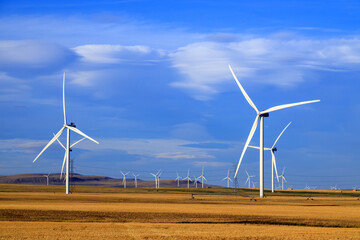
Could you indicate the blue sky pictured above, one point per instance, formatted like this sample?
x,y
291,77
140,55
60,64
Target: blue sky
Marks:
x,y
150,81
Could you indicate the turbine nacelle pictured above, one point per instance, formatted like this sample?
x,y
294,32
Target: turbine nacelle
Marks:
x,y
263,114
274,149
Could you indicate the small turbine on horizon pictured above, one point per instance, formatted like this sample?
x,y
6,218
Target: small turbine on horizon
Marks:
x,y
228,179
178,178
188,179
248,180
282,176
135,179
124,178
202,177
47,179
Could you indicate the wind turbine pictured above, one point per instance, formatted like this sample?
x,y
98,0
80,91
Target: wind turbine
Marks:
x,y
282,176
188,179
124,178
135,176
178,178
273,149
261,115
334,187
248,178
156,178
47,179
68,127
228,179
202,178
196,181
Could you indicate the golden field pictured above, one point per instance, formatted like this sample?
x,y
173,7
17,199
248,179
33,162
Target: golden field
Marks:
x,y
38,212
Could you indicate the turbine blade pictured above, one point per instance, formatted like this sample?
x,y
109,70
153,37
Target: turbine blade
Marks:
x,y
64,98
284,179
60,142
280,135
49,143
274,162
248,99
272,109
247,173
247,180
62,168
204,178
82,134
76,142
254,147
252,131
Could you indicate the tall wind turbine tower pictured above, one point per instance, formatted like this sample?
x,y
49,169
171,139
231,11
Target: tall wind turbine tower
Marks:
x,y
260,115
68,127
228,179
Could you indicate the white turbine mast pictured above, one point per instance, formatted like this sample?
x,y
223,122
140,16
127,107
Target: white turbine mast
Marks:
x,y
273,149
156,176
68,127
135,179
260,115
228,179
188,179
196,181
178,178
202,177
124,178
248,180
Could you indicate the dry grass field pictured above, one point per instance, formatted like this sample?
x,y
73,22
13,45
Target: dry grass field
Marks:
x,y
38,212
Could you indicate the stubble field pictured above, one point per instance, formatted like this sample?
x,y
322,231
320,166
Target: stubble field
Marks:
x,y
31,212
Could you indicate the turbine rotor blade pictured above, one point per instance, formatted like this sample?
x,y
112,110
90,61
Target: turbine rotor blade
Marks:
x,y
274,162
272,109
49,143
248,99
252,131
64,98
60,142
280,135
76,142
81,133
254,147
62,168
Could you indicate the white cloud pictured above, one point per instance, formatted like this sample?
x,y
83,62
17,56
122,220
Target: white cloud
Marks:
x,y
210,164
110,54
274,60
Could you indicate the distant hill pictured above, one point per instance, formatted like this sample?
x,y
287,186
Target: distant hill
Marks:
x,y
91,180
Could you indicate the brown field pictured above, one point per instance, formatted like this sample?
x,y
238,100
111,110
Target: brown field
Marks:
x,y
38,212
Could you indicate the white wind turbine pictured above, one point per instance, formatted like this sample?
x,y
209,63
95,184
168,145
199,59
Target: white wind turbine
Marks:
x,y
156,178
228,179
202,177
68,127
178,178
188,179
248,180
124,178
196,181
135,177
273,149
261,115
47,179
282,176
334,187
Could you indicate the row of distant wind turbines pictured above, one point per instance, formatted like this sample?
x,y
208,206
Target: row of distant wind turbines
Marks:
x,y
259,115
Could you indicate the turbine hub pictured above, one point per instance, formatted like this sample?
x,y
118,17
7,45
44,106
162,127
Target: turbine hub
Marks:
x,y
274,149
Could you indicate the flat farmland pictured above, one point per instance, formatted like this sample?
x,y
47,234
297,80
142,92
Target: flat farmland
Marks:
x,y
33,212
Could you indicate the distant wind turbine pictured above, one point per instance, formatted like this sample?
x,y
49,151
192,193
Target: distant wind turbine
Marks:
x,y
202,177
47,179
196,181
156,176
178,178
248,180
333,187
188,179
273,149
282,176
135,178
124,178
261,115
68,127
228,179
